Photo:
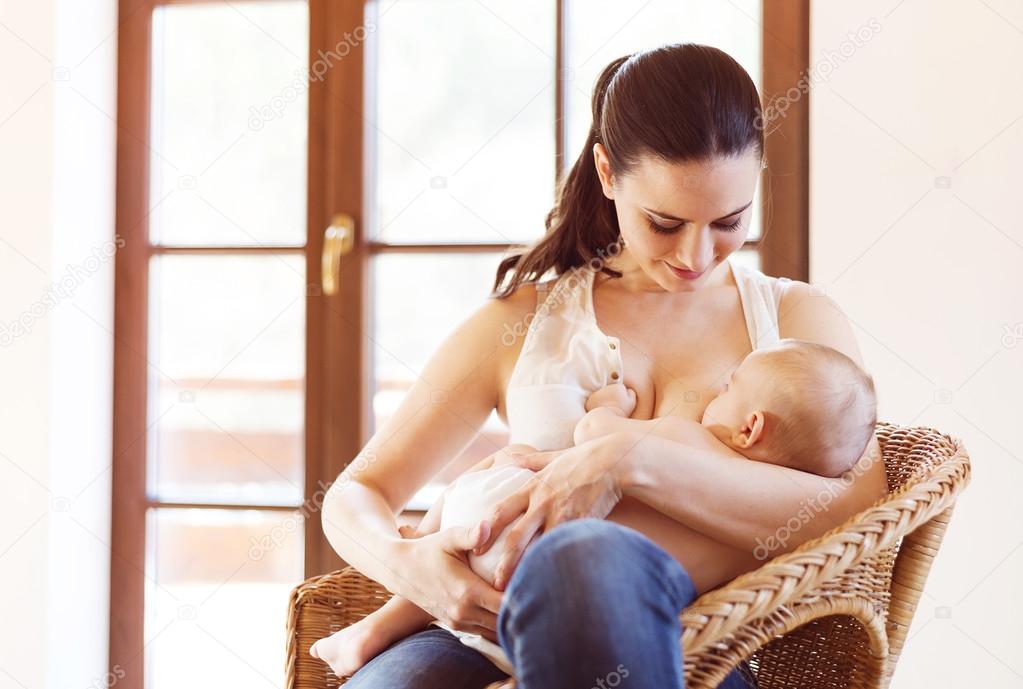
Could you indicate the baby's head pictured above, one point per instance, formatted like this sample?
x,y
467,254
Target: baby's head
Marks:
x,y
797,404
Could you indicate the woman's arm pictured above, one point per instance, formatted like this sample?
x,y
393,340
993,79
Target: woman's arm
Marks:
x,y
760,507
753,504
437,418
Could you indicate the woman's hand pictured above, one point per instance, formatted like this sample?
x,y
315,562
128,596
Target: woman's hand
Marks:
x,y
443,584
570,484
514,455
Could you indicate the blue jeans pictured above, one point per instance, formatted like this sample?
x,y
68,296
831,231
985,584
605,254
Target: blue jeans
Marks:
x,y
591,604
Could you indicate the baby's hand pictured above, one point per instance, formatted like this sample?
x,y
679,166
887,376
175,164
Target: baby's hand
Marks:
x,y
616,396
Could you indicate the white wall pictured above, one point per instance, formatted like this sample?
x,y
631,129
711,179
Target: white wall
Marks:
x,y
916,142
26,114
57,146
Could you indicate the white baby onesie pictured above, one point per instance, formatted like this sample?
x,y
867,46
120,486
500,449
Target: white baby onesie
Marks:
x,y
468,501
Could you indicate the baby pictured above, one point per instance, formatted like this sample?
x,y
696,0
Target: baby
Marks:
x,y
795,404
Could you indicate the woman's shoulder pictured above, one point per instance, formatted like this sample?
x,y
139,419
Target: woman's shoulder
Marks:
x,y
527,296
506,318
797,294
521,300
748,273
767,291
805,311
808,313
553,295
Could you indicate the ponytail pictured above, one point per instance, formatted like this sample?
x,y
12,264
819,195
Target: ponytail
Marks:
x,y
582,225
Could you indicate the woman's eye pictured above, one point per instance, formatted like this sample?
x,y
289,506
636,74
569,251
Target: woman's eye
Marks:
x,y
662,229
731,227
671,229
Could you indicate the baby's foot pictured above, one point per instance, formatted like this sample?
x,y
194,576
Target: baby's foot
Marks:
x,y
351,648
616,396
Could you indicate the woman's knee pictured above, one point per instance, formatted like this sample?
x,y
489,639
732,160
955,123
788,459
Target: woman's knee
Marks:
x,y
592,540
615,583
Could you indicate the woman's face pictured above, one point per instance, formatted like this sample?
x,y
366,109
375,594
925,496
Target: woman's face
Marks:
x,y
681,220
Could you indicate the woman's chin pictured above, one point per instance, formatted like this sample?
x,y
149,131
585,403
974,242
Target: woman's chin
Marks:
x,y
671,281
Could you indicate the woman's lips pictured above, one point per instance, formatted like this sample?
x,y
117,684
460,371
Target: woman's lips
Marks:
x,y
684,274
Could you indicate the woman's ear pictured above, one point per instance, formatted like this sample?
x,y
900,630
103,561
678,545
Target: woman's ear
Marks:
x,y
751,431
603,165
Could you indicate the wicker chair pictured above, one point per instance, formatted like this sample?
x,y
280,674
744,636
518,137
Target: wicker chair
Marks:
x,y
832,614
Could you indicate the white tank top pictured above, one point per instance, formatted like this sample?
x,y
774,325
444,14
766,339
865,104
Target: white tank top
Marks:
x,y
565,357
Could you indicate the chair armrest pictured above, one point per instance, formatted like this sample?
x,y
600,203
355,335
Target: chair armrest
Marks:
x,y
846,571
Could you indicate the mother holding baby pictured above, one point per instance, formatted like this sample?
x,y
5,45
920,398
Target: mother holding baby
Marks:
x,y
628,527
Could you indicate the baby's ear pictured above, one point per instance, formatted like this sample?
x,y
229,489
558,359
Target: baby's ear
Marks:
x,y
751,431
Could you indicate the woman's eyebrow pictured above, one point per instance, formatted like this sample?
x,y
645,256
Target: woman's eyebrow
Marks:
x,y
672,217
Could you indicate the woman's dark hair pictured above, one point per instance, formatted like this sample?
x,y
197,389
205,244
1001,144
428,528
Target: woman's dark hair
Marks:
x,y
679,102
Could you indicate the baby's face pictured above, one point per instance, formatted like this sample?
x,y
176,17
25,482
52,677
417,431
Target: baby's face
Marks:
x,y
742,395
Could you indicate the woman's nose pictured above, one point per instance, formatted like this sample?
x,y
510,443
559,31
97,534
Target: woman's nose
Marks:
x,y
696,249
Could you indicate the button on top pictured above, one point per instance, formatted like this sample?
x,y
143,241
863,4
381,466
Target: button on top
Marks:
x,y
612,345
614,375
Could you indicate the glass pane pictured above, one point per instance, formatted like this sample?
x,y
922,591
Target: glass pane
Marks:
x,y
227,347
419,301
462,147
598,31
228,163
216,586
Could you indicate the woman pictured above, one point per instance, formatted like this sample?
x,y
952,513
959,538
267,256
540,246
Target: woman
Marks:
x,y
645,221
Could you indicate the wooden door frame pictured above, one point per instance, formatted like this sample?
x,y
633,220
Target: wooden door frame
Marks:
x,y
337,324
784,249
131,288
334,411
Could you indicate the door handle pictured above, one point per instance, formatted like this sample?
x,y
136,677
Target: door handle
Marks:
x,y
338,240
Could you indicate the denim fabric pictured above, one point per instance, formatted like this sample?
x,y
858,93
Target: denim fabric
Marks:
x,y
592,604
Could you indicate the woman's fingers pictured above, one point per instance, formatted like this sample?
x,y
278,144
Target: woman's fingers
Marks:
x,y
519,537
460,539
503,514
478,603
475,610
535,461
475,614
489,599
